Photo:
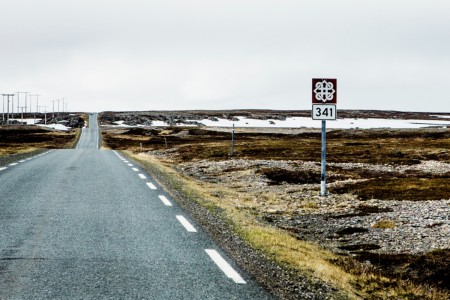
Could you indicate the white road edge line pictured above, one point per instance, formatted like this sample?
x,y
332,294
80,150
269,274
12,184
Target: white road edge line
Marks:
x,y
167,202
4,168
135,169
151,185
13,164
186,224
224,266
142,176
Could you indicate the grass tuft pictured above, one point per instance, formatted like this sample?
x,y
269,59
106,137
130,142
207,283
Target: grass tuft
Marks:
x,y
384,224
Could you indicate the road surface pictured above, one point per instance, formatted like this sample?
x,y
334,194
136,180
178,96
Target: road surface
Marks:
x,y
88,224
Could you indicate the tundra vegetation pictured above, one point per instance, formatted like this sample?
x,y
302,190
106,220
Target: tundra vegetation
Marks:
x,y
19,139
272,182
268,190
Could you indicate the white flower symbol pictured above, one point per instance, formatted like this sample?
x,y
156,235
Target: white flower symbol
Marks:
x,y
324,91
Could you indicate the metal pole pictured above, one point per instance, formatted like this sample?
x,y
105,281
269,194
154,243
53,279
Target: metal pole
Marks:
x,y
34,115
323,174
232,141
26,98
22,113
7,109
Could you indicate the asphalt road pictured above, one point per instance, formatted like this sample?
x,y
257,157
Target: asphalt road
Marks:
x,y
87,224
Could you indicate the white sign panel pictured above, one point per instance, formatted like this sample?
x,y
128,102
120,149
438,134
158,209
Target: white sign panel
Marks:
x,y
324,112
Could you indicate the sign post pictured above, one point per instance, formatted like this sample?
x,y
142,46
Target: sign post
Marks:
x,y
324,100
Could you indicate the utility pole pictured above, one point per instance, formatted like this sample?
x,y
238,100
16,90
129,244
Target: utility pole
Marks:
x,y
18,100
53,110
232,141
34,114
37,102
58,106
45,112
22,107
7,98
26,99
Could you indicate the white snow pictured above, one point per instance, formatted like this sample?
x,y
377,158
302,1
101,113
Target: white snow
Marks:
x,y
159,123
56,126
27,121
298,122
304,122
34,121
440,116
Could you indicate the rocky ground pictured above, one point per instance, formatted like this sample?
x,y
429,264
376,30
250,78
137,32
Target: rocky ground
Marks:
x,y
193,117
389,198
340,222
70,120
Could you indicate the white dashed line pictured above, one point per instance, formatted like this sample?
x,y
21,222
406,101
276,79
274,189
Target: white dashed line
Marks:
x,y
21,161
167,203
126,161
130,165
13,164
142,176
224,266
30,158
4,168
134,169
186,224
151,185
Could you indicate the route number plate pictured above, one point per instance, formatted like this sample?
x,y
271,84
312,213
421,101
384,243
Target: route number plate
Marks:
x,y
324,112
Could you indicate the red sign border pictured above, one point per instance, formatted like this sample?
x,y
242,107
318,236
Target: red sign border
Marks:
x,y
333,81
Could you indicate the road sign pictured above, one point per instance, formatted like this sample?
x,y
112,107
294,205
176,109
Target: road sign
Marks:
x,y
324,91
324,112
324,99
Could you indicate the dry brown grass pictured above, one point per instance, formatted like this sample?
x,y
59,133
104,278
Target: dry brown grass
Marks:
x,y
24,139
384,224
396,147
345,273
307,258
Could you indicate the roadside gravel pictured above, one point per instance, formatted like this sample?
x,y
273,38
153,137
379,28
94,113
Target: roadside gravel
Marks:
x,y
280,282
417,227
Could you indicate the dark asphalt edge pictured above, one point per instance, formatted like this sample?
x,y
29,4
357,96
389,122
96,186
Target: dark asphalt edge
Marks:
x,y
279,281
13,158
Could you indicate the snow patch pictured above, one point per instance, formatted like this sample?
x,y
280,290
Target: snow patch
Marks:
x,y
304,122
56,126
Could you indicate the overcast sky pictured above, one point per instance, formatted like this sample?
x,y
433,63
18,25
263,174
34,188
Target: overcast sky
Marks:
x,y
226,54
